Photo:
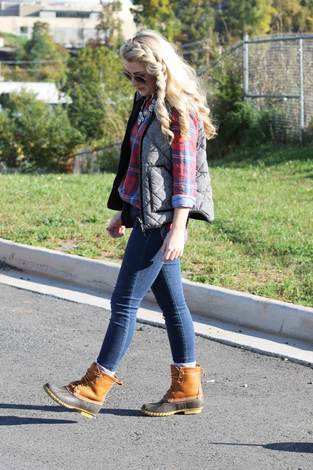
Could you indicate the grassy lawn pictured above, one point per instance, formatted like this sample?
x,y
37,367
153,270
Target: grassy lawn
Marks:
x,y
260,242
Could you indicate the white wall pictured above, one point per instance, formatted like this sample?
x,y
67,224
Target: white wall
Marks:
x,y
67,31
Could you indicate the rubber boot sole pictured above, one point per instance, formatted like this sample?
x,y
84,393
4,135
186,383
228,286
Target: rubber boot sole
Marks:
x,y
85,413
187,411
164,408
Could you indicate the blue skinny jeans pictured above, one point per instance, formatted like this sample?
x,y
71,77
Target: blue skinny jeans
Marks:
x,y
144,268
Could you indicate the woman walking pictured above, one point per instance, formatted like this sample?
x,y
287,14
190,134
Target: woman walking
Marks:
x,y
161,182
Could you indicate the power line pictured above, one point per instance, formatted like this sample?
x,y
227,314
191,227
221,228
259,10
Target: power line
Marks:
x,y
13,62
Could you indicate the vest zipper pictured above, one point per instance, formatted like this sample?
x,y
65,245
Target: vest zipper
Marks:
x,y
142,221
141,225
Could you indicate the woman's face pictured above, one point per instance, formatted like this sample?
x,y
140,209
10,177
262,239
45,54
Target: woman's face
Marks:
x,y
141,80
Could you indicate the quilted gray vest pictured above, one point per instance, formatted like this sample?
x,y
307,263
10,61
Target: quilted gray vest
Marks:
x,y
156,179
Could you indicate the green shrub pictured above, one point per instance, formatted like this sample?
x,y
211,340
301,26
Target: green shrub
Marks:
x,y
239,121
8,147
34,135
307,135
101,97
247,124
108,158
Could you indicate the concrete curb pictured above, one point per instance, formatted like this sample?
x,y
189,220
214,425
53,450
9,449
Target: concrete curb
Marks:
x,y
225,305
221,332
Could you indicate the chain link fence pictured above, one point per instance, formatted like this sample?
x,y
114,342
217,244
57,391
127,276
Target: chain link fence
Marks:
x,y
277,72
95,160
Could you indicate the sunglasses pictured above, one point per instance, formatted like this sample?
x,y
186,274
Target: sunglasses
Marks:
x,y
137,78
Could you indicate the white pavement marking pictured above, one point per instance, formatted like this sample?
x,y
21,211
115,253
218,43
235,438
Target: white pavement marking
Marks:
x,y
233,335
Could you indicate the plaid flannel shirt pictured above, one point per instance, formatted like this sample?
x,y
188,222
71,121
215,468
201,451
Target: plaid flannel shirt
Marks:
x,y
183,163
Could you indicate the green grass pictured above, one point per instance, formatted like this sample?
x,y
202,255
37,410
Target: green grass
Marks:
x,y
260,242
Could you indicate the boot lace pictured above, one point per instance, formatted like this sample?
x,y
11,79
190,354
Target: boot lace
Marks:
x,y
176,381
87,379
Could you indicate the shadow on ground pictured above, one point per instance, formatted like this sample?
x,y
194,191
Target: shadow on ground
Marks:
x,y
61,409
18,420
300,447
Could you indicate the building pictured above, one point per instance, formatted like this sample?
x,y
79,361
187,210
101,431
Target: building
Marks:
x,y
71,23
43,91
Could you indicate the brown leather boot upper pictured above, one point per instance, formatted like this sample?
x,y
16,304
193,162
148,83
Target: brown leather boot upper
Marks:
x,y
93,386
186,384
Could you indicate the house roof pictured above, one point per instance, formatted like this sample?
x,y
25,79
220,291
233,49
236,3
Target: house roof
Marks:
x,y
44,91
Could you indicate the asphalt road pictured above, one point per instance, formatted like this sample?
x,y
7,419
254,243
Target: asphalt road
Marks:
x,y
258,411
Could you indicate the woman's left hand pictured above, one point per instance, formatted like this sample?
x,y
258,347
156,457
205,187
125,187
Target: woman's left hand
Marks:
x,y
174,242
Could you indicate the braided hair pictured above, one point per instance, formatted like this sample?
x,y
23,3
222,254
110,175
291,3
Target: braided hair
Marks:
x,y
176,82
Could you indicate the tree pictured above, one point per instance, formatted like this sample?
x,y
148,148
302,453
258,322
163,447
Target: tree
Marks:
x,y
47,59
243,16
109,28
309,15
158,15
197,21
101,98
289,16
35,135
8,148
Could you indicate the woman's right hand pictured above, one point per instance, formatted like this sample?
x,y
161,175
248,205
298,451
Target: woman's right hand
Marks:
x,y
115,227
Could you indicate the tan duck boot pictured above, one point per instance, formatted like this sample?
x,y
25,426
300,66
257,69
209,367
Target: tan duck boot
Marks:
x,y
184,396
86,395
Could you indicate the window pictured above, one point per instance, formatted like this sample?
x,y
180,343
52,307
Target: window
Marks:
x,y
72,14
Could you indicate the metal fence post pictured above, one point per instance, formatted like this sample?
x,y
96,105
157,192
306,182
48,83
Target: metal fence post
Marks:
x,y
245,50
301,88
271,73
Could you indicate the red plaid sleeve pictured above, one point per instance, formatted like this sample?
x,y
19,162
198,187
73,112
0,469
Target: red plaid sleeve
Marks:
x,y
184,151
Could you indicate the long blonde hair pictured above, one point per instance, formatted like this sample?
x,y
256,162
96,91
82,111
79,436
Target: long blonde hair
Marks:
x,y
176,81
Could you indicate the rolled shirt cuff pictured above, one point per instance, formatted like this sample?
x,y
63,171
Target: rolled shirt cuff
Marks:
x,y
183,201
